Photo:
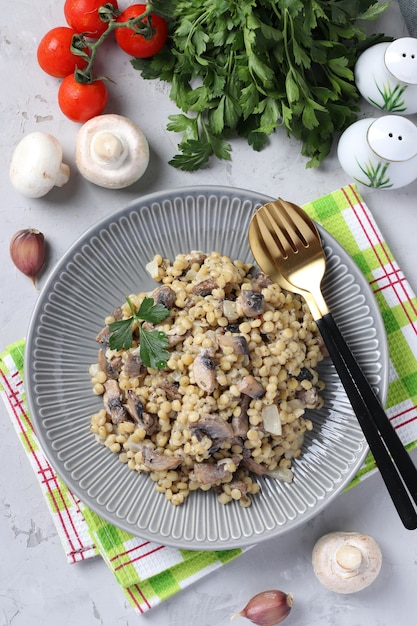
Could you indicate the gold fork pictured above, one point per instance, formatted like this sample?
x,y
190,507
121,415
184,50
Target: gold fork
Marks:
x,y
287,246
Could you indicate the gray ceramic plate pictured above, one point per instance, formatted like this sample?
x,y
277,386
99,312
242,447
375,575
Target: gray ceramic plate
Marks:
x,y
107,263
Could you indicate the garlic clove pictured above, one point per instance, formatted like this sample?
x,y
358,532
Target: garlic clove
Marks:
x,y
27,251
267,608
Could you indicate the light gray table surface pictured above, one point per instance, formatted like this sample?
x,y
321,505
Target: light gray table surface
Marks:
x,y
37,586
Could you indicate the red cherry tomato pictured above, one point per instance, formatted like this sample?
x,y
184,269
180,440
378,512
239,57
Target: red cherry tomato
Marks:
x,y
54,53
83,17
80,102
135,44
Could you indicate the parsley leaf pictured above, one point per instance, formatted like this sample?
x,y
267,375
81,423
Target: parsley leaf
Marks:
x,y
152,348
246,68
152,343
121,334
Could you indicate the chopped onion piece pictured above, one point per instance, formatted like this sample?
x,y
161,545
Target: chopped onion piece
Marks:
x,y
272,420
152,268
281,473
230,310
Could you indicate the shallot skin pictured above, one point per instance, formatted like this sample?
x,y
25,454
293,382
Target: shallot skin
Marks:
x,y
27,251
267,608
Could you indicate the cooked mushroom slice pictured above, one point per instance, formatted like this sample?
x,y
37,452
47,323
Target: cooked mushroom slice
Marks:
x,y
157,461
164,295
118,313
261,281
251,387
233,327
133,366
175,339
113,403
253,466
213,426
252,302
209,473
240,485
195,256
240,423
111,367
305,374
103,335
171,389
309,397
136,410
322,346
204,371
237,342
205,287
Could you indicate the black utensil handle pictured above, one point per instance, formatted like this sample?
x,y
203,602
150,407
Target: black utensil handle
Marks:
x,y
392,441
338,348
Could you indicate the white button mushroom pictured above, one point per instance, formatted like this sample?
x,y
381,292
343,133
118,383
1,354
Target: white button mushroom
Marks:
x,y
36,166
346,562
111,151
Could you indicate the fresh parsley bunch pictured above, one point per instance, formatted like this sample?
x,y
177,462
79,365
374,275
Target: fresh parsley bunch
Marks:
x,y
245,68
152,343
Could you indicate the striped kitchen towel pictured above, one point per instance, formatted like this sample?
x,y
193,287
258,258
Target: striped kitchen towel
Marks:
x,y
149,573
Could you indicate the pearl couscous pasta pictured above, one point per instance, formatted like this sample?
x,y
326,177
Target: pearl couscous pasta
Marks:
x,y
230,404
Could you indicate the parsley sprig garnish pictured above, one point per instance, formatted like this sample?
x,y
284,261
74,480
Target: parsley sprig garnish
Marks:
x,y
248,68
152,343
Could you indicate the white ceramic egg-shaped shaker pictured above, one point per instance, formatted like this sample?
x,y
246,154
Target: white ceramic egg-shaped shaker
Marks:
x,y
386,75
380,152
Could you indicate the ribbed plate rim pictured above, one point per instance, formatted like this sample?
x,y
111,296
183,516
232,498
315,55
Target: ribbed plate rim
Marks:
x,y
257,199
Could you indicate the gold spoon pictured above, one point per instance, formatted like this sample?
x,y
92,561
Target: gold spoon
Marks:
x,y
287,246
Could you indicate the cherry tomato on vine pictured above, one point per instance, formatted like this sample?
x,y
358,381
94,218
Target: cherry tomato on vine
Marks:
x,y
135,44
54,53
83,17
80,102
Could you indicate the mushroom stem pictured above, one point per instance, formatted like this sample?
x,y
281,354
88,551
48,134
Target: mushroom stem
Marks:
x,y
63,175
349,557
108,149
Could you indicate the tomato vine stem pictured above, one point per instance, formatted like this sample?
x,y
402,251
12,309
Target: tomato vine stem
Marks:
x,y
87,48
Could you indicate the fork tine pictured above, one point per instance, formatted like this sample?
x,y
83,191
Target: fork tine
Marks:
x,y
260,232
304,227
286,223
269,243
271,231
285,216
272,217
289,254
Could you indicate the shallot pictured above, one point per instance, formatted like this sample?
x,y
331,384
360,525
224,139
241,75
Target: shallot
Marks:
x,y
27,251
267,608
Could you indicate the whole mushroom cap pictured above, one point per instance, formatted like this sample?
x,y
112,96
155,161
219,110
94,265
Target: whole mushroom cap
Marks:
x,y
111,151
346,562
36,165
